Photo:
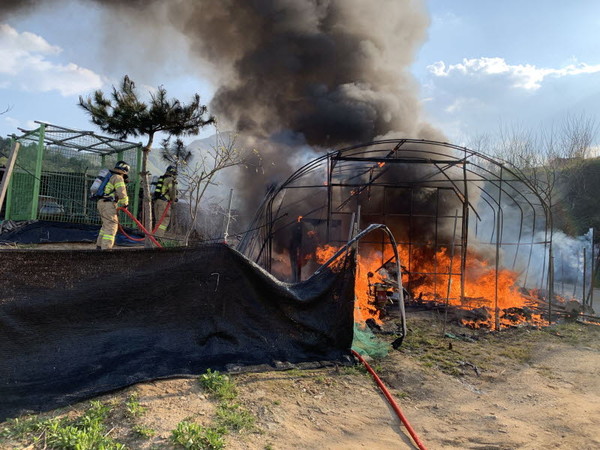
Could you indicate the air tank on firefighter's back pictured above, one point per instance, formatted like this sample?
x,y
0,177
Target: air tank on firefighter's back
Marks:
x,y
97,182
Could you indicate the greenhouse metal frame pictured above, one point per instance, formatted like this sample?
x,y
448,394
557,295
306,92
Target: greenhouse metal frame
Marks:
x,y
55,168
487,201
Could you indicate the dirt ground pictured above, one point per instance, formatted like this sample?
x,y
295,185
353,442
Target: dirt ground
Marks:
x,y
470,389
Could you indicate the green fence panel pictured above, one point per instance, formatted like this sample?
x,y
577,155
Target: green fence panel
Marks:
x,y
55,169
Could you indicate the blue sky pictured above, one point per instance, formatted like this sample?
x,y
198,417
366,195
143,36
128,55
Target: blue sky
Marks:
x,y
485,63
524,63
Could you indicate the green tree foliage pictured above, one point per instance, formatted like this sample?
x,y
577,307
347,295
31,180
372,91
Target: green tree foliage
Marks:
x,y
124,114
175,154
580,202
4,149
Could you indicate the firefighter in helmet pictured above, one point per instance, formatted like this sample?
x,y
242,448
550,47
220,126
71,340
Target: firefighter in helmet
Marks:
x,y
166,192
113,197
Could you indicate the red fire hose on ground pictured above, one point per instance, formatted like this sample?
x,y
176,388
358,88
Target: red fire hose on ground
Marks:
x,y
122,230
141,227
391,401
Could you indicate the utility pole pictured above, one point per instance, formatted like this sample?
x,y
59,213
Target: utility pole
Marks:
x,y
583,286
10,165
228,220
592,256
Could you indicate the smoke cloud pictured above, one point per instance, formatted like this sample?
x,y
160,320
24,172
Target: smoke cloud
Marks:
x,y
320,73
333,71
290,74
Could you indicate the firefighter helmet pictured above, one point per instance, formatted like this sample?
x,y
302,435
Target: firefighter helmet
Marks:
x,y
172,170
121,167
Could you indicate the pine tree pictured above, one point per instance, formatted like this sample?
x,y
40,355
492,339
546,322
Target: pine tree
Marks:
x,y
175,154
124,115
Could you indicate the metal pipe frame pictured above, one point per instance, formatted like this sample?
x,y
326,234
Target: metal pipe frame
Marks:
x,y
474,177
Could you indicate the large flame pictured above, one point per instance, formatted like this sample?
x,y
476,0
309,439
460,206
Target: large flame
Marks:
x,y
363,306
435,278
497,291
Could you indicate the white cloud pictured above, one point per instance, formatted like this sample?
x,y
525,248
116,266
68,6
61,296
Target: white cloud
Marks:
x,y
448,18
476,95
25,65
462,103
32,125
524,76
15,123
11,121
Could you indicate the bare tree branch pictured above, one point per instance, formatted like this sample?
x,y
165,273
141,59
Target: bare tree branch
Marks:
x,y
197,178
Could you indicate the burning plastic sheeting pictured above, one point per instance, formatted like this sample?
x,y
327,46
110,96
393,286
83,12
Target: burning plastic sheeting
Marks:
x,y
74,324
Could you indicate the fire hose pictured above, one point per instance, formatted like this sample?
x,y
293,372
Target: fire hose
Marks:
x,y
140,226
122,230
391,401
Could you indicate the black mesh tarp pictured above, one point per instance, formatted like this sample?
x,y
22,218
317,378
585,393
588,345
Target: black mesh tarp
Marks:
x,y
44,231
74,324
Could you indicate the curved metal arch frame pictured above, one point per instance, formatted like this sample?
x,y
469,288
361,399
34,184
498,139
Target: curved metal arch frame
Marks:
x,y
507,185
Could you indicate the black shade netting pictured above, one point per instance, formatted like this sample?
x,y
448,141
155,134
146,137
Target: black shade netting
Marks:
x,y
74,324
41,231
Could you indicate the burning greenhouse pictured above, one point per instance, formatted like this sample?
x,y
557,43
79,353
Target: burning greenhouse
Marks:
x,y
471,230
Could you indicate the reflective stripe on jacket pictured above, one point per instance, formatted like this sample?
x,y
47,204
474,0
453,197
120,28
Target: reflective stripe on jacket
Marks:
x,y
116,190
166,188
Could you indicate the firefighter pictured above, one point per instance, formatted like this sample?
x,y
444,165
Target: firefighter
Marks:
x,y
114,196
166,191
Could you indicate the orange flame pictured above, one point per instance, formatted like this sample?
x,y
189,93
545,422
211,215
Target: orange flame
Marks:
x,y
436,278
363,305
299,219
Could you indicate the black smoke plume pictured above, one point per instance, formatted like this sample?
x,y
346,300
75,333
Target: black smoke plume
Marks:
x,y
333,71
291,74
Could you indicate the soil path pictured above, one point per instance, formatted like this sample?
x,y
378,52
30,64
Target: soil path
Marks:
x,y
552,401
519,389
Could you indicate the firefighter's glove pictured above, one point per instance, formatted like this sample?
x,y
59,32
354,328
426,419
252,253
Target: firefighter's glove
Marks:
x,y
125,206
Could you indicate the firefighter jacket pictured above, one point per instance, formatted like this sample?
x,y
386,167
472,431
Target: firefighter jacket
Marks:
x,y
116,191
166,188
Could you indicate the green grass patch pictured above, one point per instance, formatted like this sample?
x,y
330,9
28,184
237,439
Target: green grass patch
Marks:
x,y
574,333
547,372
170,243
297,373
218,385
444,361
420,339
23,428
143,432
519,352
196,437
87,431
357,369
133,407
401,394
229,416
234,417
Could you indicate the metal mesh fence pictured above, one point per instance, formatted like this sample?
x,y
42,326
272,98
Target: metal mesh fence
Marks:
x,y
55,168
